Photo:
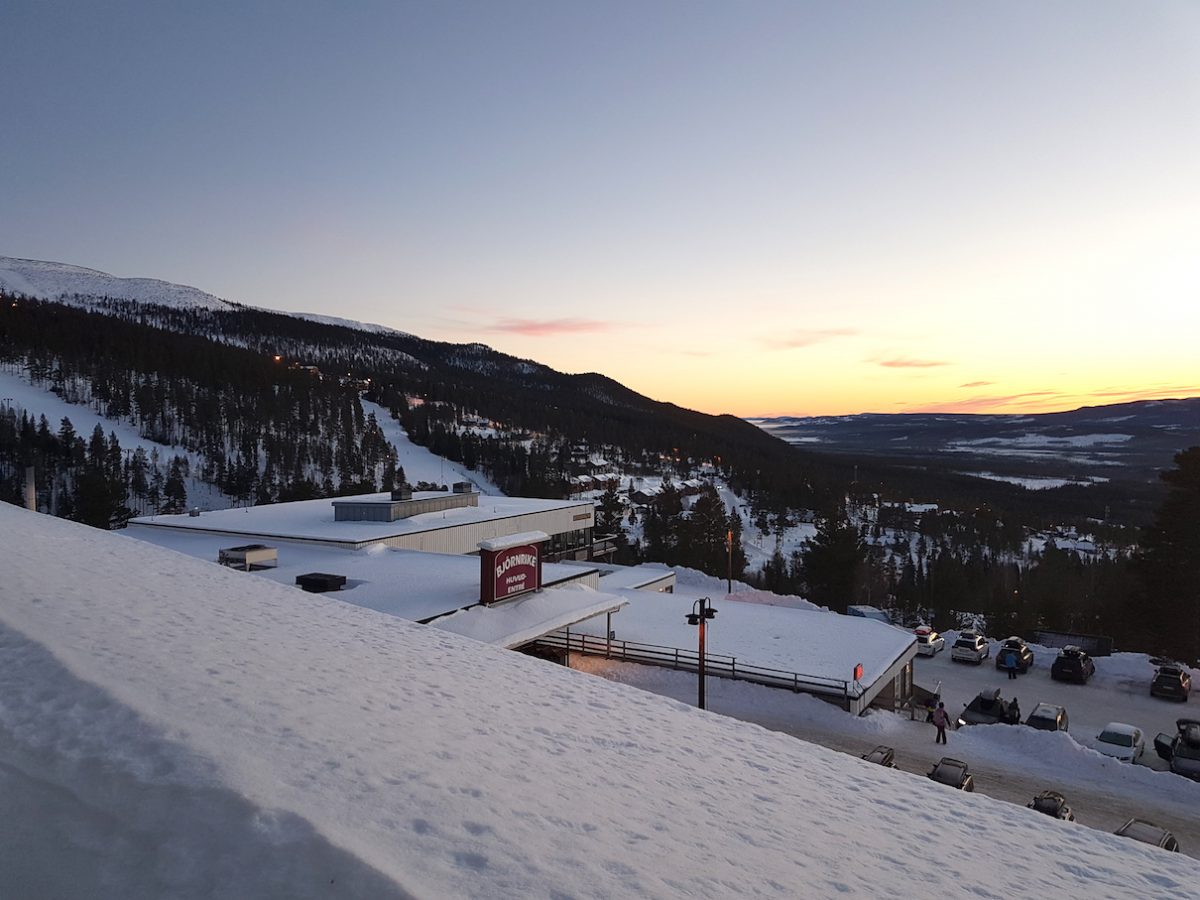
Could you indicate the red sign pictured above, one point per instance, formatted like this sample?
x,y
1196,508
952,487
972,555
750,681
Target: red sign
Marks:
x,y
858,672
511,571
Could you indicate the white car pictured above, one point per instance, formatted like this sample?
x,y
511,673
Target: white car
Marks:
x,y
970,647
929,641
1121,741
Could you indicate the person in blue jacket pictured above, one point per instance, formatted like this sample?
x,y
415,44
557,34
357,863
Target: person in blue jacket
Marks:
x,y
1010,663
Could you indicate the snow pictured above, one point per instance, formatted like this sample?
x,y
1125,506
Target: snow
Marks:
x,y
20,395
818,644
59,281
526,618
78,286
514,540
1048,440
313,520
172,728
418,462
411,584
1010,763
1038,483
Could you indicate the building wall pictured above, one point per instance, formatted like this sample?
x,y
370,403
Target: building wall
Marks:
x,y
466,538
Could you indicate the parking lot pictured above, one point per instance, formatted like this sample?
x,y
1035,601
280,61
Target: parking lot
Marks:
x,y
1010,763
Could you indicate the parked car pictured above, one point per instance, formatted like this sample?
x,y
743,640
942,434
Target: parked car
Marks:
x,y
1121,741
1052,803
1169,681
1182,749
1048,717
1149,833
1014,646
952,772
929,641
885,756
1072,664
970,647
989,708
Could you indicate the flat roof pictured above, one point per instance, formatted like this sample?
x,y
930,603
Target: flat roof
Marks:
x,y
526,618
805,641
313,520
410,584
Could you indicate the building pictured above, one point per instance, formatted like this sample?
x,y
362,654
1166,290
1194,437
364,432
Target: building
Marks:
x,y
433,521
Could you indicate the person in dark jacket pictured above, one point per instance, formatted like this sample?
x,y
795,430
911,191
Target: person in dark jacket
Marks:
x,y
941,719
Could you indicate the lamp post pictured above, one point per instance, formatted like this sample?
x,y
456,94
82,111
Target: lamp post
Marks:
x,y
702,611
729,561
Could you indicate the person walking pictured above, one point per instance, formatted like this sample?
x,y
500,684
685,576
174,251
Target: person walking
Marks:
x,y
1010,663
940,720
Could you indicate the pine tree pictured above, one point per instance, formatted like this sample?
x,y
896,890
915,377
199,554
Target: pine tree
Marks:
x,y
1168,565
836,564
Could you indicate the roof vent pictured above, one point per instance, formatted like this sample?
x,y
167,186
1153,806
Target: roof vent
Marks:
x,y
463,487
250,556
320,582
404,492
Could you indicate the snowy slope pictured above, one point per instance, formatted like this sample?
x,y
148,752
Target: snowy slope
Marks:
x,y
172,728
58,281
79,286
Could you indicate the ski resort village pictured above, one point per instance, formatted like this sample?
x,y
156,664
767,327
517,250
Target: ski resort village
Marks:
x,y
391,633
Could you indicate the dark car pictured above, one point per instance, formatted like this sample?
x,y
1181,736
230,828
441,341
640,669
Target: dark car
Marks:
x,y
1052,803
1048,717
952,772
1149,833
1172,682
1182,749
1072,664
885,756
1014,646
989,708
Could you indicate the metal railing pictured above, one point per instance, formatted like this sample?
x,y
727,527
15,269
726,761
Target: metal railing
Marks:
x,y
715,664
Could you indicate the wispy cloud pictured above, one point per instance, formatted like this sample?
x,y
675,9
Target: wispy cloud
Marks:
x,y
806,337
1161,392
547,327
975,384
905,363
990,403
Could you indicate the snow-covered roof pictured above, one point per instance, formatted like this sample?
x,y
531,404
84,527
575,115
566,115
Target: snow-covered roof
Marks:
x,y
514,540
313,520
410,584
174,728
528,617
809,642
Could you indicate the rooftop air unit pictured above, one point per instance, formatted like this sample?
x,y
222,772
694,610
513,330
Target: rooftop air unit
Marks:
x,y
321,582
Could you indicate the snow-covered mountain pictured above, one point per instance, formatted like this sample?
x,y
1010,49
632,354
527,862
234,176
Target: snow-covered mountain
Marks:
x,y
174,728
78,286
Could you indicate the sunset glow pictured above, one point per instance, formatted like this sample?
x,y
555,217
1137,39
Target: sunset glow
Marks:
x,y
761,209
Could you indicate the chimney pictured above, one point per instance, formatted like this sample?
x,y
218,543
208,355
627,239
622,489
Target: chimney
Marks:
x,y
30,490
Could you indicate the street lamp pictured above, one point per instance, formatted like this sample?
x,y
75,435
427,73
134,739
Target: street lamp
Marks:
x,y
702,611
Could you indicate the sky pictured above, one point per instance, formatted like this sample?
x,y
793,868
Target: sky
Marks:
x,y
761,209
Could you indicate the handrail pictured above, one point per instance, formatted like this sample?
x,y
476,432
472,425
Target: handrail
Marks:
x,y
717,664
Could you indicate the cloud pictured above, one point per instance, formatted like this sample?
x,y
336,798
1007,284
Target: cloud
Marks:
x,y
806,337
1053,401
547,327
1039,399
975,384
1164,392
902,363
